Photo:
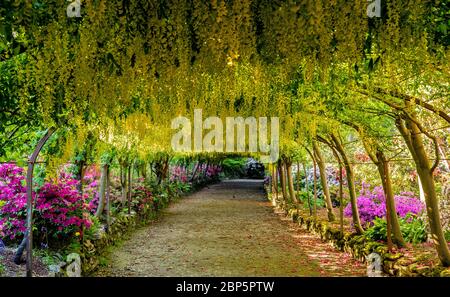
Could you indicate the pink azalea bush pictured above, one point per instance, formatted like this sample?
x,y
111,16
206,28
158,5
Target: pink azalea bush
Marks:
x,y
372,204
142,197
212,171
178,174
91,191
58,206
13,201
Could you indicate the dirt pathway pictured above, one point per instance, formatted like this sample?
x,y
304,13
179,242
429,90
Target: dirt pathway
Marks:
x,y
228,229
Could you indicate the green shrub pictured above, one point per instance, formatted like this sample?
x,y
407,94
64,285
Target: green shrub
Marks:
x,y
413,229
303,198
234,167
91,232
378,230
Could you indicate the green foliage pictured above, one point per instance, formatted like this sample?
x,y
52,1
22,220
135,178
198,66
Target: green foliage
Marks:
x,y
103,261
93,229
234,167
74,247
48,257
439,21
413,229
303,197
2,267
182,187
378,230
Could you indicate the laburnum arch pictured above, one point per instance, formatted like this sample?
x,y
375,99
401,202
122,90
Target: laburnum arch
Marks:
x,y
123,70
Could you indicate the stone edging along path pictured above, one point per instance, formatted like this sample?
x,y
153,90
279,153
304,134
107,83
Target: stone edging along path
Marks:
x,y
360,247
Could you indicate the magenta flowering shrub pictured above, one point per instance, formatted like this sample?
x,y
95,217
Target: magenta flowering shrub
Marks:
x,y
61,208
13,201
142,197
90,190
178,174
58,206
213,171
372,204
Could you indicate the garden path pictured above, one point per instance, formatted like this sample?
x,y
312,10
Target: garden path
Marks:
x,y
227,229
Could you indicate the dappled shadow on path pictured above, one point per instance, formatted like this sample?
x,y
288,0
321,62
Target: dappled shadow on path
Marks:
x,y
227,229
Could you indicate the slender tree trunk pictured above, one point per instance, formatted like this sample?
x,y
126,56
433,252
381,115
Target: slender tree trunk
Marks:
x,y
350,183
414,140
195,171
283,180
144,170
129,188
315,189
391,213
307,189
298,178
101,194
123,183
323,179
108,198
79,175
275,171
341,190
388,206
290,182
378,158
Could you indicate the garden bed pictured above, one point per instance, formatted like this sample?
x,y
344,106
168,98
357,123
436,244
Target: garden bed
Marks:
x,y
9,269
405,262
92,251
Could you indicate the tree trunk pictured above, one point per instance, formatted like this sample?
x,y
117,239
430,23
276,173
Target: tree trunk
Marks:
x,y
341,191
101,194
290,182
129,188
275,171
391,213
123,182
323,179
414,140
283,180
79,175
307,189
194,171
341,198
350,183
315,189
108,198
298,178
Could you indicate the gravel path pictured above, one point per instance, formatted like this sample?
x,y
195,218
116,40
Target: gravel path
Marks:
x,y
228,229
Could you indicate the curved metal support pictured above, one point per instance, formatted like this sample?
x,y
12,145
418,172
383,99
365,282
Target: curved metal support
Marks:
x,y
29,234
